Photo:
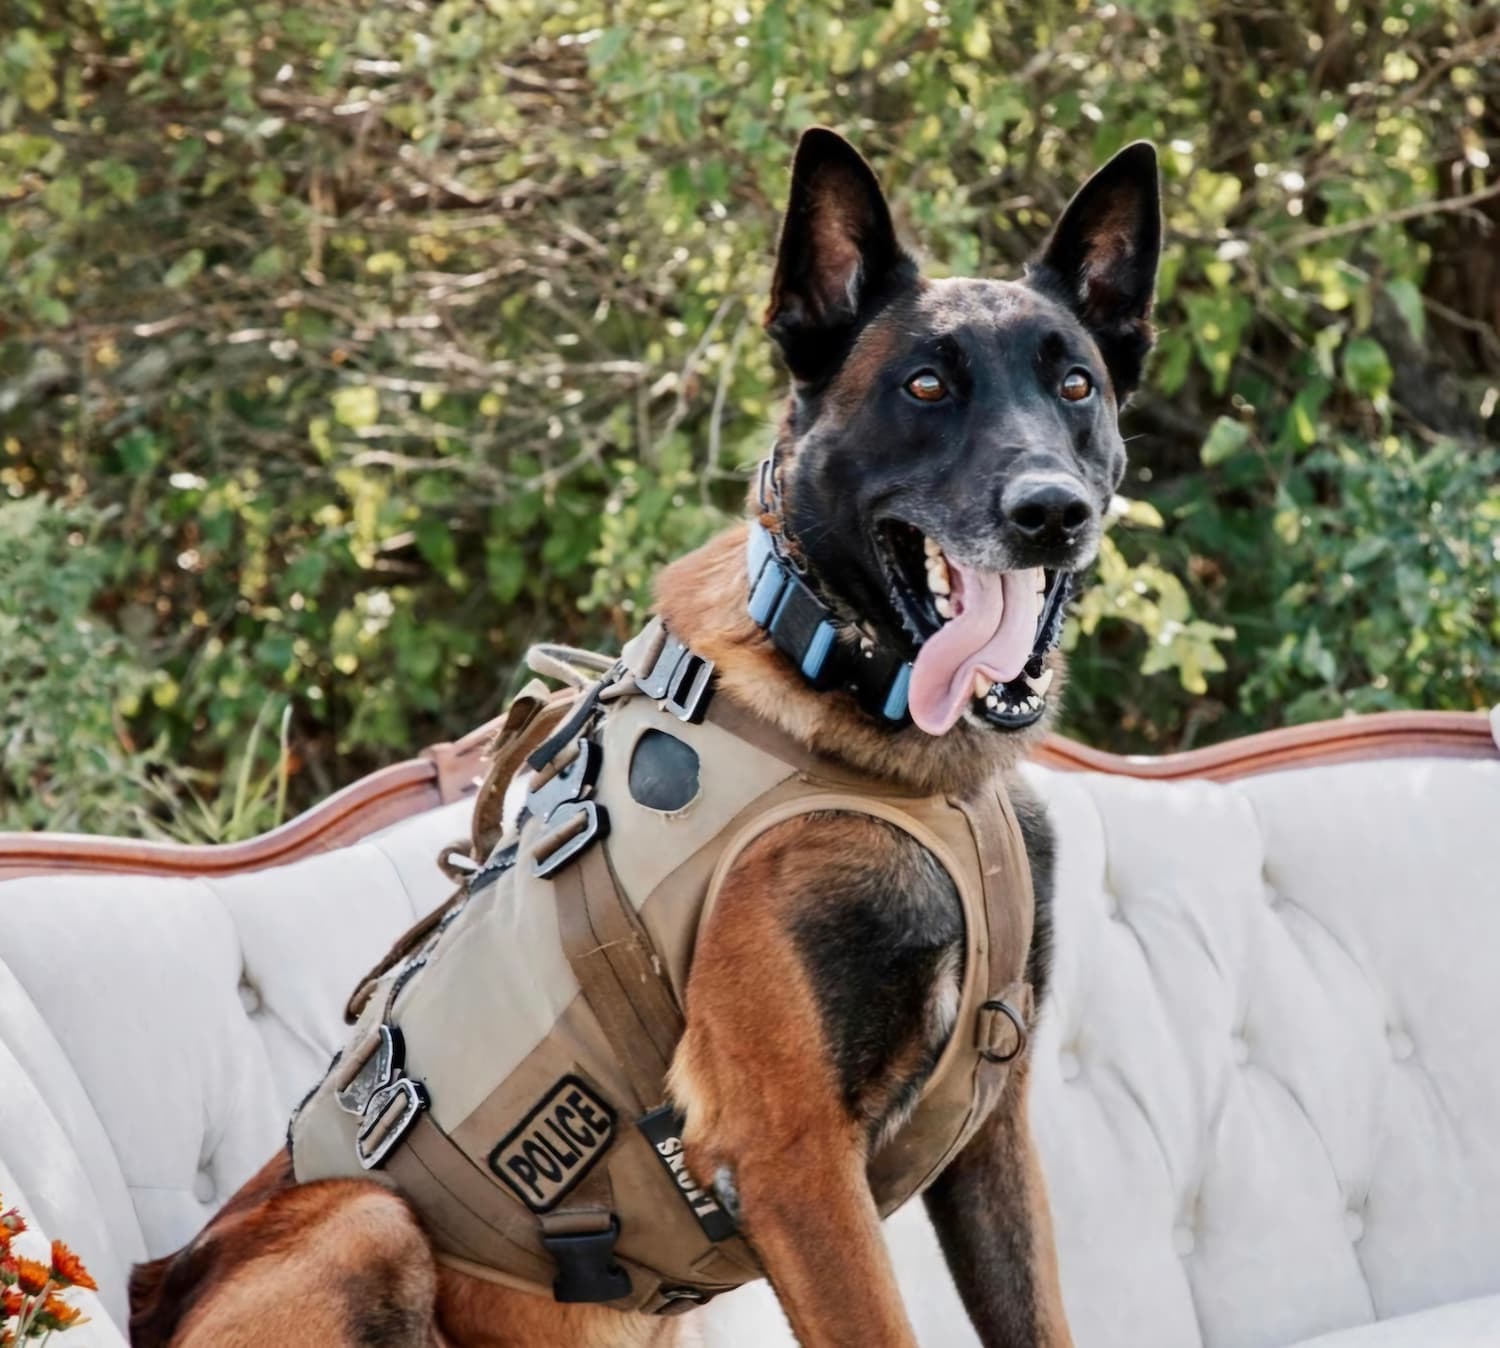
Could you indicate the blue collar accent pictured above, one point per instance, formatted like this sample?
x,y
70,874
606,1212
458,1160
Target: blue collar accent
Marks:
x,y
803,628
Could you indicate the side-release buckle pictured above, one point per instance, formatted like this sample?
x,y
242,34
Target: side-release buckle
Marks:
x,y
573,826
388,1119
586,1267
680,680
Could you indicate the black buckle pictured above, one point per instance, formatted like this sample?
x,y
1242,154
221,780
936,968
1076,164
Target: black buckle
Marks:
x,y
384,1058
388,1119
570,783
575,825
680,680
586,1268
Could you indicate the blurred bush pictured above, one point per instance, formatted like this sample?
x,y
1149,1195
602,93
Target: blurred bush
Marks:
x,y
345,349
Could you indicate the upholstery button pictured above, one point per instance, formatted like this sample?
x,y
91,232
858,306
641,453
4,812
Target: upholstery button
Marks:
x,y
1401,1046
204,1189
1182,1241
1354,1225
1240,1047
249,997
1068,1065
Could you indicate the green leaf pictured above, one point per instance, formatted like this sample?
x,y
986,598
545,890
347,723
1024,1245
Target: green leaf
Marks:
x,y
1367,369
1407,298
1225,439
356,407
184,269
435,543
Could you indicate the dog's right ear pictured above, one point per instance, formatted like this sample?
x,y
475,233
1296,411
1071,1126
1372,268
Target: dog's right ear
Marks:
x,y
838,253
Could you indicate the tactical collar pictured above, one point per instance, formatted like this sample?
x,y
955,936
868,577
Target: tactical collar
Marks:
x,y
805,629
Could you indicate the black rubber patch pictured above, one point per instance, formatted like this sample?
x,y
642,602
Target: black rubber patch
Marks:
x,y
663,772
663,1129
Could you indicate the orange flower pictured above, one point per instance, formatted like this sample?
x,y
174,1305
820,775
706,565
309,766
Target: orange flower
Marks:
x,y
12,1221
68,1268
32,1276
56,1313
11,1302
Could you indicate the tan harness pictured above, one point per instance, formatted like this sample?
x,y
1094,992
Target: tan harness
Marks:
x,y
507,1069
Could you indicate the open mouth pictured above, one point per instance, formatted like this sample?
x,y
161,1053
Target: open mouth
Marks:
x,y
981,637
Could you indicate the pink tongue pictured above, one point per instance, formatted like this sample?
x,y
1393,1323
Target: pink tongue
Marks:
x,y
993,629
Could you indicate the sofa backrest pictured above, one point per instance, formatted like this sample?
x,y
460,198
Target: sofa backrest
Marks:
x,y
1265,1084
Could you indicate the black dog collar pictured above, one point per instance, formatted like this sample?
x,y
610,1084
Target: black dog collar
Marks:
x,y
804,629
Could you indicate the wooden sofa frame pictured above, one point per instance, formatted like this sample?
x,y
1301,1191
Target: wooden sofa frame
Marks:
x,y
447,772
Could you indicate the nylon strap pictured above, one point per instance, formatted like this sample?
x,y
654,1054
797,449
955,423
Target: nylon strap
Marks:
x,y
528,721
1010,910
467,1209
586,950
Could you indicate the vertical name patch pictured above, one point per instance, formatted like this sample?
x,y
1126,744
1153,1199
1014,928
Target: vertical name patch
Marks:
x,y
555,1145
663,1129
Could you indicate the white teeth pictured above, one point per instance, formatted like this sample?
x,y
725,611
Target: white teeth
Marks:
x,y
944,607
1033,703
982,683
937,576
992,701
931,546
1041,683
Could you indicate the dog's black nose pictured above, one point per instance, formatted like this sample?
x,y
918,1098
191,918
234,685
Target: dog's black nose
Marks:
x,y
1046,508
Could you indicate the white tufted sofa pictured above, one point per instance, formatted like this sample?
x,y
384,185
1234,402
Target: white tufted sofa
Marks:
x,y
1267,1085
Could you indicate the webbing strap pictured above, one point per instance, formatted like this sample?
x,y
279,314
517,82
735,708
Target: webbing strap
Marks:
x,y
472,1216
628,947
587,952
529,719
1005,875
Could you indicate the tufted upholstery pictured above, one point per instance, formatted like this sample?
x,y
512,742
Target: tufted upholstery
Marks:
x,y
1266,1086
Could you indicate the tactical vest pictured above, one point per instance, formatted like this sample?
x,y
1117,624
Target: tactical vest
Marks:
x,y
507,1068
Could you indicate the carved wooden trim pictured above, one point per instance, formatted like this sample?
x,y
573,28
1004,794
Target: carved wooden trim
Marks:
x,y
1394,734
436,777
446,772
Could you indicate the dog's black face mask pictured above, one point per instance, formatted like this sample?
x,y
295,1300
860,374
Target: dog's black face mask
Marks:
x,y
953,444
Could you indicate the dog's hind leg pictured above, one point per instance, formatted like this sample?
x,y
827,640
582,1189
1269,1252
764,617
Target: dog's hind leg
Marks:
x,y
993,1221
333,1264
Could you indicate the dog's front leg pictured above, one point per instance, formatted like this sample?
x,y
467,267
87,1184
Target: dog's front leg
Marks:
x,y
767,1120
993,1221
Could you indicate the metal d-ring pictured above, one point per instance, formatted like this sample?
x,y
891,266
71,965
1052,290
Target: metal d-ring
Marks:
x,y
1014,1016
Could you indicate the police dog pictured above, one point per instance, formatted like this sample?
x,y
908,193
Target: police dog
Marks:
x,y
945,458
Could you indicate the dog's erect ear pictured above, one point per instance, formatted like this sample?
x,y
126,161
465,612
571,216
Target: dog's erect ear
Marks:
x,y
1101,259
838,253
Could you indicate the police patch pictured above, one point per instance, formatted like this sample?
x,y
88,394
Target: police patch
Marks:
x,y
555,1145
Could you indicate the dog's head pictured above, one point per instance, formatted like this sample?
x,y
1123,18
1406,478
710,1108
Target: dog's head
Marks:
x,y
952,444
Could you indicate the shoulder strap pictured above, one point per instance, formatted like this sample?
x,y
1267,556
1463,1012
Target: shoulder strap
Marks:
x,y
529,719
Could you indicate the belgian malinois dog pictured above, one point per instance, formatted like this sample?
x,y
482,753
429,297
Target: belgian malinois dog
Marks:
x,y
946,456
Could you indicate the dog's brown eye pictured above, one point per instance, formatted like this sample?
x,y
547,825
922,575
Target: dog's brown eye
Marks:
x,y
1076,386
927,387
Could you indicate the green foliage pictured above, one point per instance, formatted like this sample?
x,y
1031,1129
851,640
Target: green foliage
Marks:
x,y
1387,597
64,674
373,342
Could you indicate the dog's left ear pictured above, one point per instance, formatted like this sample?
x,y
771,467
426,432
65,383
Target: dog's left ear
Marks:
x,y
1101,260
837,256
